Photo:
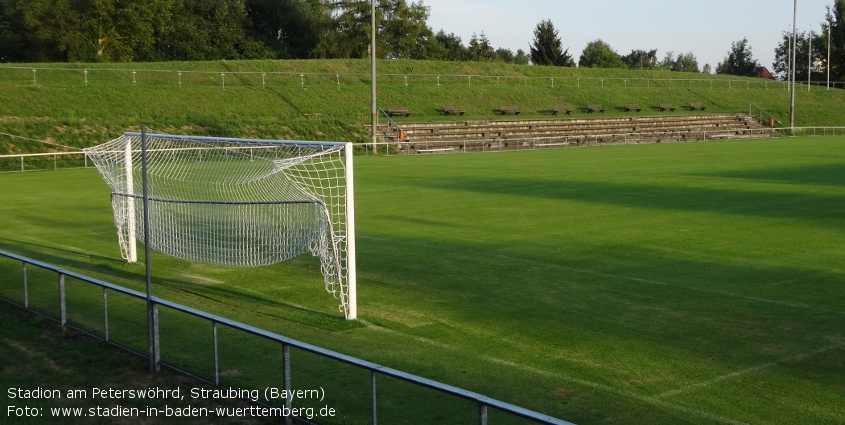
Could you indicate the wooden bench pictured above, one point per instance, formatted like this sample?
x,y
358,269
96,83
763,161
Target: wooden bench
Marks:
x,y
453,110
632,107
695,105
435,150
504,110
595,108
666,107
398,111
560,108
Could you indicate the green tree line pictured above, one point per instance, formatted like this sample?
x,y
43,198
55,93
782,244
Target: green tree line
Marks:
x,y
196,30
166,30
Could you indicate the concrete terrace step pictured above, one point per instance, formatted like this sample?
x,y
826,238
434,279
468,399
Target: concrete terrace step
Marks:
x,y
489,134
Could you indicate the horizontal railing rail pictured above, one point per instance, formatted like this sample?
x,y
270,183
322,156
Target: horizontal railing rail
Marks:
x,y
85,75
483,402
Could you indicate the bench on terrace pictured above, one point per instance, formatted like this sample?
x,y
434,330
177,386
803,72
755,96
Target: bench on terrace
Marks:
x,y
435,150
632,107
595,108
398,111
666,107
561,108
696,105
504,110
455,110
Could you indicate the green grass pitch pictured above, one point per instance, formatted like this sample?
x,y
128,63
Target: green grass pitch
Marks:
x,y
699,283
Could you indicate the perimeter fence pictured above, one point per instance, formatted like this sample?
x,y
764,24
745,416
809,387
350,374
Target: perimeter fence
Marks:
x,y
360,391
18,75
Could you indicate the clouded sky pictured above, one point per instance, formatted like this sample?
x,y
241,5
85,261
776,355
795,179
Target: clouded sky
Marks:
x,y
704,27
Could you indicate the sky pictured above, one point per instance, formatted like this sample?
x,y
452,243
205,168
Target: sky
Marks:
x,y
707,28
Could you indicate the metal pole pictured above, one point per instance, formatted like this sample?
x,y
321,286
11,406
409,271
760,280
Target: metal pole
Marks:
x,y
286,378
810,61
151,331
25,288
374,108
828,55
62,304
794,54
374,397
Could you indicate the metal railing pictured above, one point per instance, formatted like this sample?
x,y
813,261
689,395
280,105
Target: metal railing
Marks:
x,y
482,402
92,75
43,161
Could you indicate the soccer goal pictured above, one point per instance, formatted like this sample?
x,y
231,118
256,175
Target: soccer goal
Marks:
x,y
236,202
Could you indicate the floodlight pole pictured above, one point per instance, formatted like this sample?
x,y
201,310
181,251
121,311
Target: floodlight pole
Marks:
x,y
792,71
810,61
374,108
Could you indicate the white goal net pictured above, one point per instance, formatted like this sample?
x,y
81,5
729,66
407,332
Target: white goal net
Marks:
x,y
236,202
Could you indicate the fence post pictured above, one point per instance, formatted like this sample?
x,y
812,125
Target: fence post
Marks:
x,y
157,351
62,306
25,288
216,355
105,314
482,413
287,381
375,404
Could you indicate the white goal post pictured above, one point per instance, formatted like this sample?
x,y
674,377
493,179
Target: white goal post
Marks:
x,y
236,202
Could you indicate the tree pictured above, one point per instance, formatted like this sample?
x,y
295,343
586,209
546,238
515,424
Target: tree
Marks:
x,y
782,53
452,47
402,33
740,60
640,59
480,48
599,54
685,62
522,59
836,22
547,48
84,30
290,28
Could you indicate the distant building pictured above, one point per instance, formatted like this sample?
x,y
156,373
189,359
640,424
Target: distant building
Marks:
x,y
763,72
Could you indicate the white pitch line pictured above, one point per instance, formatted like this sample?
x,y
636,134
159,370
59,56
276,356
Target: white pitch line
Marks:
x,y
618,391
606,388
753,369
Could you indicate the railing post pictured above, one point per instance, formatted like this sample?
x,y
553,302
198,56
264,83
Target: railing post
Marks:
x,y
62,306
216,355
286,378
375,404
25,288
105,314
156,361
482,413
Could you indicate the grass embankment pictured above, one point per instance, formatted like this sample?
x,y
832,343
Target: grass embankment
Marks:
x,y
303,100
694,283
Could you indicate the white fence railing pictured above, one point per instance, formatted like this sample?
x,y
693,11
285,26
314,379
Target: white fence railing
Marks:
x,y
44,161
82,75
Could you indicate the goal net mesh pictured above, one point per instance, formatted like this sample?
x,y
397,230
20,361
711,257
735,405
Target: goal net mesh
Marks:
x,y
231,202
